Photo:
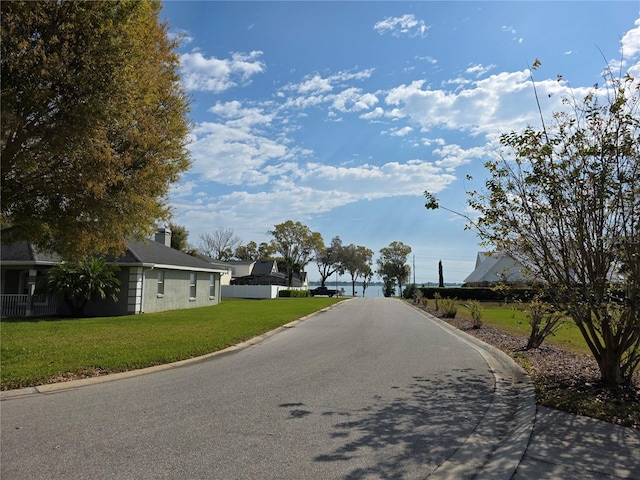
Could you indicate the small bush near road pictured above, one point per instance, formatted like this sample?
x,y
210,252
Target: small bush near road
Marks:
x,y
448,308
476,313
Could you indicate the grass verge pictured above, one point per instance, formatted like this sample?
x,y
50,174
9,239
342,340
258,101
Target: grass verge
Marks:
x,y
38,351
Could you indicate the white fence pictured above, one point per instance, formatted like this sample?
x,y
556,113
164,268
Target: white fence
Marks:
x,y
17,306
254,291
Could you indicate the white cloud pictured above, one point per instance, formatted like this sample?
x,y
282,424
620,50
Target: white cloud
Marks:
x,y
217,75
400,132
316,84
428,59
231,155
400,26
479,70
498,103
353,100
454,156
630,42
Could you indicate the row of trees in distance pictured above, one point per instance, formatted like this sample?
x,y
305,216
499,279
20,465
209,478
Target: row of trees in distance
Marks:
x,y
294,246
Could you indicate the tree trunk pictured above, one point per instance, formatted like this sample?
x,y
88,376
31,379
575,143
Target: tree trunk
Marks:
x,y
609,364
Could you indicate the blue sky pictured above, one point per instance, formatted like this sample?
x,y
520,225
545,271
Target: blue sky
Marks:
x,y
341,114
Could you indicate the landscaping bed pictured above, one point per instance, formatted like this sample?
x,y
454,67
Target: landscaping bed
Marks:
x,y
563,380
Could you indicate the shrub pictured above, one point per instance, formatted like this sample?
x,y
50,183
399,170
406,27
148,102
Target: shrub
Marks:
x,y
449,308
294,293
417,297
543,321
476,313
409,291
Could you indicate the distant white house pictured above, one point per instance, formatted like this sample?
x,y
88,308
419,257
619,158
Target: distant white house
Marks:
x,y
495,267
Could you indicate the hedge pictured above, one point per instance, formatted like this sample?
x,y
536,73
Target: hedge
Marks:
x,y
293,293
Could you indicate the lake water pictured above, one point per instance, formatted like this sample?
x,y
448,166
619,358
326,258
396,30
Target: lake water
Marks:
x,y
372,290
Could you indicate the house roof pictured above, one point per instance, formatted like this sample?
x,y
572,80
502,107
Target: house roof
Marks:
x,y
492,267
25,253
148,254
265,267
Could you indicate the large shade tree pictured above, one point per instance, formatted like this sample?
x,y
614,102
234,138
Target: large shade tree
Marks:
x,y
392,263
252,251
564,200
93,123
329,259
356,261
296,243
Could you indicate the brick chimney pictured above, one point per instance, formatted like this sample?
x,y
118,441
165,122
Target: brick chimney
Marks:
x,y
163,236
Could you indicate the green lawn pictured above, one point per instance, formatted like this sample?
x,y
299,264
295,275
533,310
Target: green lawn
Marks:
x,y
35,351
512,319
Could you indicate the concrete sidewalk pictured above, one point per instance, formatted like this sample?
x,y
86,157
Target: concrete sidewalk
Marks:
x,y
567,447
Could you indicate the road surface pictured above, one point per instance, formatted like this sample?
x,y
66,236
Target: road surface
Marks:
x,y
369,389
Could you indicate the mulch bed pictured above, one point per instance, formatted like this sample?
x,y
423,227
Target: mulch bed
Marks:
x,y
564,380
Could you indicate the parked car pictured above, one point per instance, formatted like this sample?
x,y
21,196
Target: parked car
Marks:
x,y
324,291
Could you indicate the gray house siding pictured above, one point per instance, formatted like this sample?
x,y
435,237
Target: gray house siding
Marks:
x,y
176,290
139,268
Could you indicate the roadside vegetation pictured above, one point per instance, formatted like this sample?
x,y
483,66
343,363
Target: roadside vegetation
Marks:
x,y
565,374
47,350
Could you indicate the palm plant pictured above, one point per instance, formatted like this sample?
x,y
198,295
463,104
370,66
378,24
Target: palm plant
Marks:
x,y
77,283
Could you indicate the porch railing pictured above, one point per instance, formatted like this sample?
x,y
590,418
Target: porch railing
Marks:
x,y
15,305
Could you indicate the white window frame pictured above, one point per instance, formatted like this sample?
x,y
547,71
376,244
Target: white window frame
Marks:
x,y
212,286
160,284
193,285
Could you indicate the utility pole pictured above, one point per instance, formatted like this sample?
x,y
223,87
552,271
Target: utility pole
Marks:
x,y
414,269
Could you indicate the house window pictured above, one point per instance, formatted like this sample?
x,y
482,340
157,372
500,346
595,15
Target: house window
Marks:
x,y
192,286
160,283
212,286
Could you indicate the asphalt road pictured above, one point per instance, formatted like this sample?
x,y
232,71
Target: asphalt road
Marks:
x,y
370,389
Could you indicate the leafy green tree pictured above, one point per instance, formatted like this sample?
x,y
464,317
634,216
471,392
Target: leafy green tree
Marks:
x,y
179,237
329,259
367,275
392,263
564,200
93,123
252,251
389,286
77,283
296,243
356,261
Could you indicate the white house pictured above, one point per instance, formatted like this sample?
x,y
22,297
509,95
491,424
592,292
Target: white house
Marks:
x,y
494,267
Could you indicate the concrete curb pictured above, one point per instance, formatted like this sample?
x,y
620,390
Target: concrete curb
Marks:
x,y
61,386
499,442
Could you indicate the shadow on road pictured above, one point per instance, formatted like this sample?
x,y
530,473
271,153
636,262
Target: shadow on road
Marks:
x,y
405,432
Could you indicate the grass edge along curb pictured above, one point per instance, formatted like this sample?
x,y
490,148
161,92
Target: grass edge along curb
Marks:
x,y
50,351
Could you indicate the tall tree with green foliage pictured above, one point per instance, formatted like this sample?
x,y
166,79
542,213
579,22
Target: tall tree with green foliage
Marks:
x,y
329,259
252,251
179,237
296,243
564,200
77,283
356,261
392,263
93,123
